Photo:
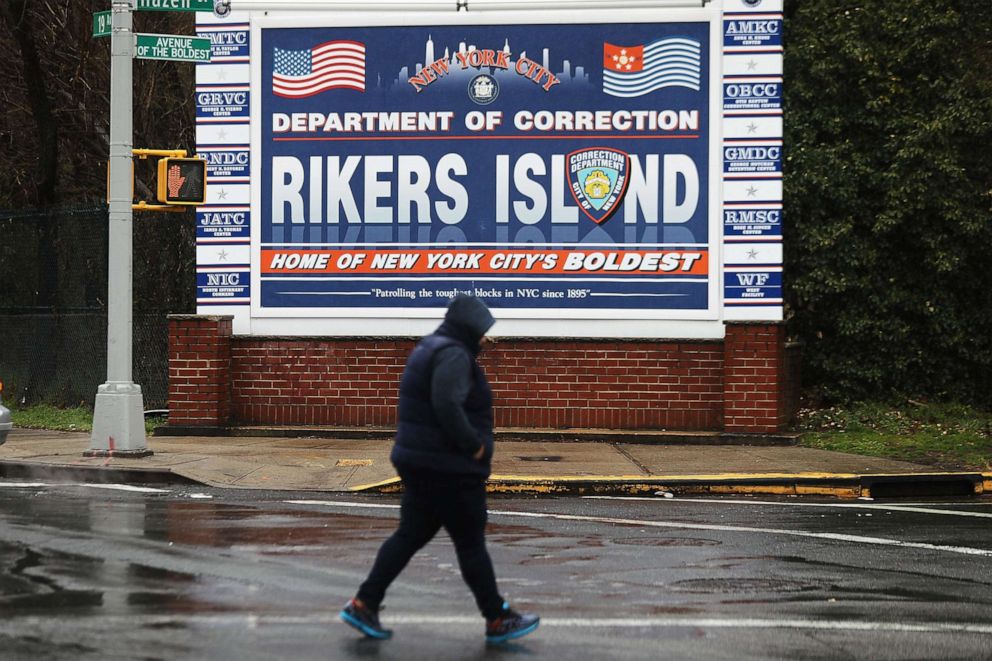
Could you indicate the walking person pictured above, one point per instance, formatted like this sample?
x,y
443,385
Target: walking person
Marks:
x,y
443,452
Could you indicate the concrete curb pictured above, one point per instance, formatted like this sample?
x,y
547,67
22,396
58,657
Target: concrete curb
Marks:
x,y
10,468
839,485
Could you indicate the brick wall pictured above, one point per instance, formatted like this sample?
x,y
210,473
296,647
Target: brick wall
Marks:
x,y
735,385
754,377
536,383
199,370
280,381
612,385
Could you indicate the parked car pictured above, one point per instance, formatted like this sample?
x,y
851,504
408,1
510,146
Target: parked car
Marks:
x,y
5,423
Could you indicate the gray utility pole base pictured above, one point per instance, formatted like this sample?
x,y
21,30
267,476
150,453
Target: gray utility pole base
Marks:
x,y
118,422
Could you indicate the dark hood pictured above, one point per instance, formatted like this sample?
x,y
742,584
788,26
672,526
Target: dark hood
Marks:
x,y
467,319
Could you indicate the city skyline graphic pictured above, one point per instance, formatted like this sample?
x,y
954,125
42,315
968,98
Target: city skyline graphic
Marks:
x,y
564,70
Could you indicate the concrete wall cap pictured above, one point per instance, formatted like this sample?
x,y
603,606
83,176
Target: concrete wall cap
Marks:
x,y
501,339
754,323
200,317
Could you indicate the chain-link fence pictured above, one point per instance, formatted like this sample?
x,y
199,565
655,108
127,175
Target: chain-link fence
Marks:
x,y
53,290
61,357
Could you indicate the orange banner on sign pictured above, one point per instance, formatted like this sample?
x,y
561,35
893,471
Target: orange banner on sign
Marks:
x,y
488,262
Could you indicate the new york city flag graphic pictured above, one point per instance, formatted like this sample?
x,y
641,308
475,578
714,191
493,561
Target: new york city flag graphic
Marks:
x,y
630,71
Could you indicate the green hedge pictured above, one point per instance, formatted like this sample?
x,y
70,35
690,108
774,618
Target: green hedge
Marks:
x,y
888,197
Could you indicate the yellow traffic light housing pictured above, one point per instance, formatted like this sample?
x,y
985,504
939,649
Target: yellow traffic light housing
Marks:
x,y
182,181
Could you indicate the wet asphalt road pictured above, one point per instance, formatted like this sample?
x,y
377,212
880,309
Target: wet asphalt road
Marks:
x,y
98,573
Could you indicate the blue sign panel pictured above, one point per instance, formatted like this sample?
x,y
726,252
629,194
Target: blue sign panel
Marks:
x,y
540,166
752,158
752,286
222,287
752,221
752,31
227,43
232,162
222,102
223,222
752,95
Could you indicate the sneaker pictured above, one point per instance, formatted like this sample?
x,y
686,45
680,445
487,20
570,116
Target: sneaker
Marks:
x,y
364,619
510,625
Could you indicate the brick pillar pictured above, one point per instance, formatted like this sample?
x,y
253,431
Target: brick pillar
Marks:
x,y
754,378
199,369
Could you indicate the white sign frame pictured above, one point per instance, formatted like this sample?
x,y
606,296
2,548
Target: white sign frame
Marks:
x,y
557,322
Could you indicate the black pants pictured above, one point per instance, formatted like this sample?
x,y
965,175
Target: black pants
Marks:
x,y
430,501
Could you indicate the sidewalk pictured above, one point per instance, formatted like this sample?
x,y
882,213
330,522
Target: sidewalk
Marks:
x,y
533,466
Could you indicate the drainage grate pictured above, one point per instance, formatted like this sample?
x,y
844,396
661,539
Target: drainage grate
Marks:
x,y
911,486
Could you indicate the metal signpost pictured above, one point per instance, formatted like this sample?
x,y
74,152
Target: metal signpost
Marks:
x,y
118,418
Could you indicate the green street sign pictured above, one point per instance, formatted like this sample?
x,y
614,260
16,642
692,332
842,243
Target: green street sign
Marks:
x,y
172,47
102,23
175,5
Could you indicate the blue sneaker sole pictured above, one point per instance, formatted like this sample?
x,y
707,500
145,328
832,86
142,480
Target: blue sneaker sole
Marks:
x,y
513,635
364,628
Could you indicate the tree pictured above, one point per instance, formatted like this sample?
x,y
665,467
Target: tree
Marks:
x,y
889,196
54,145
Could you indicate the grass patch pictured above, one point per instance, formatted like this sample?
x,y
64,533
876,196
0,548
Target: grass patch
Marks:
x,y
75,418
947,436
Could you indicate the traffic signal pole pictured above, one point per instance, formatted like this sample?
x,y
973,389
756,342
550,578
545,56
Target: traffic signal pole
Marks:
x,y
118,418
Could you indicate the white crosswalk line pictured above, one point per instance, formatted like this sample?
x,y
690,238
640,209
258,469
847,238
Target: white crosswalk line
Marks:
x,y
679,525
863,506
124,487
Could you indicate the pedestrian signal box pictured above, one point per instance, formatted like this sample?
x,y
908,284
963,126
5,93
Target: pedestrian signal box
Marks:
x,y
182,181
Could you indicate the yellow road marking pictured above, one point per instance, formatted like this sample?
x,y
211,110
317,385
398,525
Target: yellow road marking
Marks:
x,y
353,462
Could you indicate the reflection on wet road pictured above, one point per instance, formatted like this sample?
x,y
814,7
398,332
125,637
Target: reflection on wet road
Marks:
x,y
177,573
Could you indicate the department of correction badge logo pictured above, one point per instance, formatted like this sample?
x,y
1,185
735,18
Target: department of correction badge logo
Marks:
x,y
598,179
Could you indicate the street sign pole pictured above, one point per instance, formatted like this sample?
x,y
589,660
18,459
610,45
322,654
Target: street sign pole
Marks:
x,y
118,419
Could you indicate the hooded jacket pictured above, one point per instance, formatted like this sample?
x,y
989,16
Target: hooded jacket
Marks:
x,y
445,402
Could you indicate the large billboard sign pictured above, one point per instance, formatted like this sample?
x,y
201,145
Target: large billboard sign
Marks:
x,y
571,169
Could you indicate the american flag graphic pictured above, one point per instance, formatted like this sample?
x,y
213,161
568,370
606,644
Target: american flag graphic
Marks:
x,y
331,65
630,71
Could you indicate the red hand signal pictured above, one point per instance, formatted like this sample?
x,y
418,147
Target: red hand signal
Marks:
x,y
175,181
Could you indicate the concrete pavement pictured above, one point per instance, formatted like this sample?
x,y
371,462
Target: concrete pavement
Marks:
x,y
329,464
